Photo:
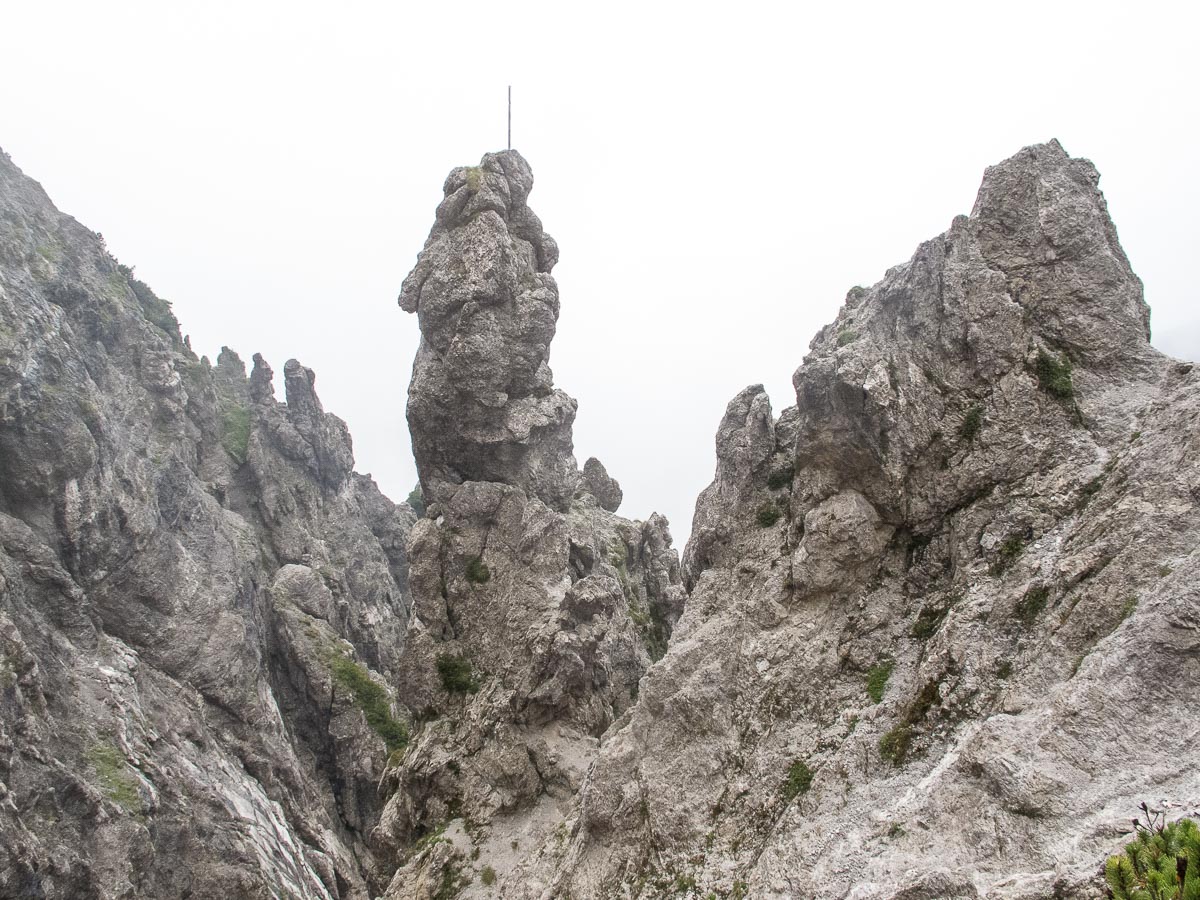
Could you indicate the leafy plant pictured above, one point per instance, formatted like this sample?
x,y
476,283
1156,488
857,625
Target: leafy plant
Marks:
x,y
798,782
371,698
455,672
768,514
846,336
488,876
1162,863
477,571
877,678
1054,375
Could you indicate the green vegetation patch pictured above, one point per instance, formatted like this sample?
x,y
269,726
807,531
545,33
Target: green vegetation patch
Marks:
x,y
477,571
456,675
846,336
235,432
971,424
877,678
781,477
118,784
1162,863
894,745
416,500
488,876
475,178
1054,375
799,780
1013,547
1030,606
768,514
371,698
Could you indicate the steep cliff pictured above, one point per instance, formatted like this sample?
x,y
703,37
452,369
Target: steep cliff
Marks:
x,y
943,630
198,597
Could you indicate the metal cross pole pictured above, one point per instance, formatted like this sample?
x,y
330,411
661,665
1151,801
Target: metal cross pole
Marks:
x,y
510,117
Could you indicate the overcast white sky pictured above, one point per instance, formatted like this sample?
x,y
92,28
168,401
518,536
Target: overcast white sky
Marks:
x,y
716,175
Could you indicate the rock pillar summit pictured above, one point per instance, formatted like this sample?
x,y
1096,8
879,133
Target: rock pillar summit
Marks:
x,y
482,405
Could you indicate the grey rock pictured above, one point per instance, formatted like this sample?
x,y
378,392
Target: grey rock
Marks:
x,y
601,485
1016,551
481,402
181,561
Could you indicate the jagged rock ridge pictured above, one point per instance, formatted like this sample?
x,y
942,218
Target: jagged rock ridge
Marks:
x,y
196,593
943,618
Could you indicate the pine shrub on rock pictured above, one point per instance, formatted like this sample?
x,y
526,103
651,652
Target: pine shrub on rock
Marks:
x,y
1163,863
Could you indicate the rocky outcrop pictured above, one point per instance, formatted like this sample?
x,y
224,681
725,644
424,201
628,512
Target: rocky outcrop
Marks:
x,y
481,403
943,614
536,610
200,602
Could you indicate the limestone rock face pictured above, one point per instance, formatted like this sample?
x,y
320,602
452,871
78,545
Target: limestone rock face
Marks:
x,y
481,403
194,589
943,616
536,610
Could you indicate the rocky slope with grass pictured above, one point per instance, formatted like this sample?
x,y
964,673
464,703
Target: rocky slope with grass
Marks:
x,y
943,628
935,634
202,606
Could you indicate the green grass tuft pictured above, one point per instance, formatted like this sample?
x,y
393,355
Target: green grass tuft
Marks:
x,y
768,514
119,785
1012,548
846,336
798,782
477,571
877,678
488,876
971,424
1054,375
894,745
235,432
1030,606
371,698
455,672
416,500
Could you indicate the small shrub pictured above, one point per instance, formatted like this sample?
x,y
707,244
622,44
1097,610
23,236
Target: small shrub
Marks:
x,y
372,699
929,619
971,424
475,178
477,571
1012,547
877,679
235,432
1004,669
781,477
488,876
1163,862
416,500
798,782
894,745
455,672
848,335
768,514
1030,606
1054,375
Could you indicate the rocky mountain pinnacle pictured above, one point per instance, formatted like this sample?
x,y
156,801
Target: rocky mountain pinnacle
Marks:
x,y
481,402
